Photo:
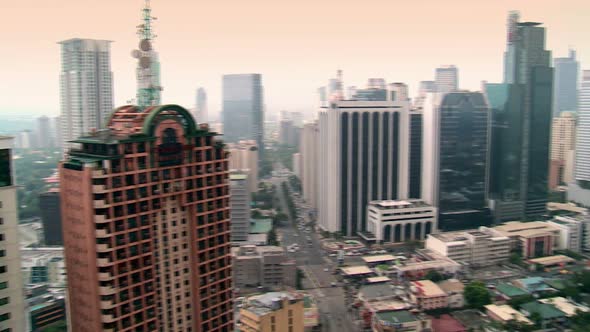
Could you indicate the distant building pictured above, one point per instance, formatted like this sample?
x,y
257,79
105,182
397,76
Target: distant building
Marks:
x,y
297,164
239,201
276,311
565,86
57,131
49,205
532,239
243,113
399,221
45,308
266,266
579,187
446,79
244,157
427,295
570,232
505,313
289,133
454,289
201,107
426,87
400,320
44,139
11,281
563,140
476,247
86,85
549,314
309,158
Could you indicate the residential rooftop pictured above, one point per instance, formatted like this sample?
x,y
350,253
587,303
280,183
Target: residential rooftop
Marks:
x,y
552,260
525,229
565,305
428,288
356,270
396,317
506,313
547,311
379,258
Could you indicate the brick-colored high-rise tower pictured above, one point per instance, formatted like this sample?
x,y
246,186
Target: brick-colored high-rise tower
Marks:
x,y
145,208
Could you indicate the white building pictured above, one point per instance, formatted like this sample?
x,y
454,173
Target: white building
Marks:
x,y
201,110
446,79
476,247
579,188
364,149
309,159
399,221
11,283
239,201
86,86
243,157
563,141
297,164
570,232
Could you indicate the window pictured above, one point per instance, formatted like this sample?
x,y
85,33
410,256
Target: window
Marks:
x,y
3,269
4,285
4,317
2,253
1,221
4,301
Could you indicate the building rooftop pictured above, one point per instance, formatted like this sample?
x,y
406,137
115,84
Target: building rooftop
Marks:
x,y
552,206
460,237
266,303
533,284
396,317
238,176
564,305
379,258
375,291
378,279
393,204
525,229
446,323
356,270
551,260
428,288
451,286
260,226
506,313
510,290
547,311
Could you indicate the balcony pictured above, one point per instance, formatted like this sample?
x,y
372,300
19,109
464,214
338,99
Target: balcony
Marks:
x,y
99,188
101,233
100,204
103,262
108,318
100,218
104,276
98,173
106,290
106,305
102,247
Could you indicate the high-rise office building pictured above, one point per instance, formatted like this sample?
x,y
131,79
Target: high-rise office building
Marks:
x,y
11,284
579,188
364,149
202,112
243,116
565,85
49,204
521,125
86,86
563,140
243,157
240,206
455,158
309,160
44,138
426,86
446,79
145,209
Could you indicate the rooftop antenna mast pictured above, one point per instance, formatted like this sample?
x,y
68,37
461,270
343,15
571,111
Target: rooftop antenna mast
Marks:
x,y
148,66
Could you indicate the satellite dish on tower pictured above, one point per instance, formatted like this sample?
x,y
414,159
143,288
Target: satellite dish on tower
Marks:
x,y
136,54
145,45
145,62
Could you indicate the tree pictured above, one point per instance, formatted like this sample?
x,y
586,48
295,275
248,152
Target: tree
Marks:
x,y
537,319
299,279
477,295
434,276
272,238
515,258
515,325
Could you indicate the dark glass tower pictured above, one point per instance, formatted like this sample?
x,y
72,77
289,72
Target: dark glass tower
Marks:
x,y
243,117
521,125
463,155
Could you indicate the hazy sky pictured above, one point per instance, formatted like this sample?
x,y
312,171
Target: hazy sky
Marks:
x,y
295,44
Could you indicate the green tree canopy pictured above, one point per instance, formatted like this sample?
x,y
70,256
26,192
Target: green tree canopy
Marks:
x,y
477,295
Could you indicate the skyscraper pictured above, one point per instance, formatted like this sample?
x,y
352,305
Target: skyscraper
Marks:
x,y
240,206
86,86
309,158
44,138
446,79
49,204
243,157
455,162
565,88
521,124
202,112
145,210
364,149
243,116
563,140
579,189
11,284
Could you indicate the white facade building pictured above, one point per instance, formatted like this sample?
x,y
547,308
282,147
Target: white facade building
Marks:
x,y
570,232
579,188
201,109
11,283
399,221
446,79
364,149
243,157
240,207
86,85
476,247
309,160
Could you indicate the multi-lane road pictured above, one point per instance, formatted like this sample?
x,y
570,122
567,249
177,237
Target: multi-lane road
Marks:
x,y
317,268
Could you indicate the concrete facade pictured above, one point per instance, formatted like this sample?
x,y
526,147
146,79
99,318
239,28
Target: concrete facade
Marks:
x,y
399,221
266,266
243,157
240,206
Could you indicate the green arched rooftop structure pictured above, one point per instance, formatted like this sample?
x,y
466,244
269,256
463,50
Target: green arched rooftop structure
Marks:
x,y
151,120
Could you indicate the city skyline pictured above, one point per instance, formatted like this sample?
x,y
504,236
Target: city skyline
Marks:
x,y
266,41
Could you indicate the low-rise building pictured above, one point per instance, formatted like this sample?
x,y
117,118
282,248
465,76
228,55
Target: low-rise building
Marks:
x,y
566,306
275,311
446,323
400,320
533,239
570,232
399,221
427,295
265,266
548,313
476,247
533,285
416,269
454,290
505,313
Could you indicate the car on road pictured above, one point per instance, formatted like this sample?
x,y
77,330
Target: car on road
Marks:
x,y
333,284
333,255
326,269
